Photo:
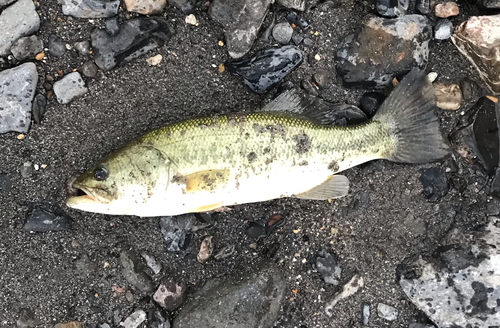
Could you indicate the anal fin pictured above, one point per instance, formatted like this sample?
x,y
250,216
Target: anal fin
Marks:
x,y
335,186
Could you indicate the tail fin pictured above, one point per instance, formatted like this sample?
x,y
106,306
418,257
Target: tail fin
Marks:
x,y
408,113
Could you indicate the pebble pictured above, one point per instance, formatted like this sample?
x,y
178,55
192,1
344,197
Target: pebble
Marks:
x,y
467,89
26,47
134,320
423,6
176,231
90,8
5,183
155,60
57,47
170,294
266,68
17,89
18,20
255,230
43,221
297,38
83,47
322,78
26,170
187,6
308,42
72,324
387,312
343,114
365,314
448,96
293,18
435,183
133,272
443,29
135,38
390,8
27,319
145,7
38,108
282,32
328,267
293,4
69,87
89,69
447,9
206,249
191,20
40,55
156,319
152,263
370,102
348,289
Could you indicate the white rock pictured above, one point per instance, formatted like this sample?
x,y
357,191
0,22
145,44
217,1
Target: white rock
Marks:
x,y
191,20
134,320
20,19
90,8
387,312
69,87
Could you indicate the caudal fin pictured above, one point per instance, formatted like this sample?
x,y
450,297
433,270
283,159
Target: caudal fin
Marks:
x,y
409,115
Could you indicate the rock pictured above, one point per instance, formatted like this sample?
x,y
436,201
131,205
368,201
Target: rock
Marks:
x,y
322,78
435,183
297,38
308,42
170,295
72,324
135,38
27,319
57,47
145,7
42,221
327,266
343,114
18,20
26,170
90,8
156,319
5,183
134,320
26,47
448,96
241,20
187,6
191,20
133,272
447,9
282,32
248,301
391,8
267,68
112,26
17,89
38,108
89,69
365,314
176,231
255,230
4,3
486,4
364,60
443,29
293,18
423,6
155,60
478,39
152,263
467,89
83,47
69,87
387,312
348,289
293,4
459,285
370,103
206,249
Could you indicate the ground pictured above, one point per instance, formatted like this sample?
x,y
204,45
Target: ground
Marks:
x,y
65,276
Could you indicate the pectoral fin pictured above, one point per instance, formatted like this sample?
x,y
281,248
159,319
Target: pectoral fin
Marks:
x,y
208,180
335,186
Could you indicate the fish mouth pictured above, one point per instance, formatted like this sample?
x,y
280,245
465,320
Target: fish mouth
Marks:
x,y
79,195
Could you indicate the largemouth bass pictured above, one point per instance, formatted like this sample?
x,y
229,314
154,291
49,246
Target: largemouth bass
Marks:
x,y
204,163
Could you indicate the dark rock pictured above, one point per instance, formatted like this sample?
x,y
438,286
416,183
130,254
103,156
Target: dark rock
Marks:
x,y
370,103
489,4
365,314
69,87
26,47
5,183
308,42
248,301
57,47
387,312
293,4
38,109
363,60
327,266
27,319
90,8
343,114
434,182
187,6
4,3
112,26
467,89
267,68
89,69
423,7
391,8
18,20
157,319
282,33
42,221
255,230
322,78
133,272
443,29
297,38
170,295
310,89
83,47
176,231
136,37
293,18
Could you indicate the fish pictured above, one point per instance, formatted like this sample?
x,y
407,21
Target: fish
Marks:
x,y
286,149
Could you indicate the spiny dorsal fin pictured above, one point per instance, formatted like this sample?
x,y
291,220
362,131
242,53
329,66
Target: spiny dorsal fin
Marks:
x,y
335,186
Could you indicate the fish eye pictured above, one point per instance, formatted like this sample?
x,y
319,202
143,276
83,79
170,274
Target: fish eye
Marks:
x,y
101,172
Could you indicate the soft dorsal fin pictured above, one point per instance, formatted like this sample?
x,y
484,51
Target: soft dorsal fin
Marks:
x,y
335,186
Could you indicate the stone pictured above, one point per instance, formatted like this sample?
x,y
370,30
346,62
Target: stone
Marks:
x,y
459,285
89,69
83,47
364,59
447,9
133,272
255,230
4,3
392,8
448,96
5,183
17,89
90,8
370,102
112,26
156,319
282,32
176,231
486,4
344,114
69,87
478,39
443,29
27,319
348,289
293,18
434,183
365,314
206,249
135,38
134,320
467,89
267,68
248,301
387,312
27,47
191,20
423,6
26,170
327,266
299,5
187,6
322,78
145,7
43,221
38,108
170,295
241,20
297,38
18,20
155,60
152,263
56,45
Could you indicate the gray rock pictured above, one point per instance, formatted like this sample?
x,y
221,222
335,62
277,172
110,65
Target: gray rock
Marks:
x,y
459,286
89,69
43,221
17,89
26,170
56,45
387,312
27,319
156,319
364,60
293,4
176,230
90,8
249,301
423,6
297,38
282,33
83,47
38,108
390,8
134,320
20,19
152,263
308,42
104,325
365,314
327,266
5,183
69,87
112,26
443,29
135,38
170,295
26,47
145,7
133,272
322,78
187,6
241,20
4,3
